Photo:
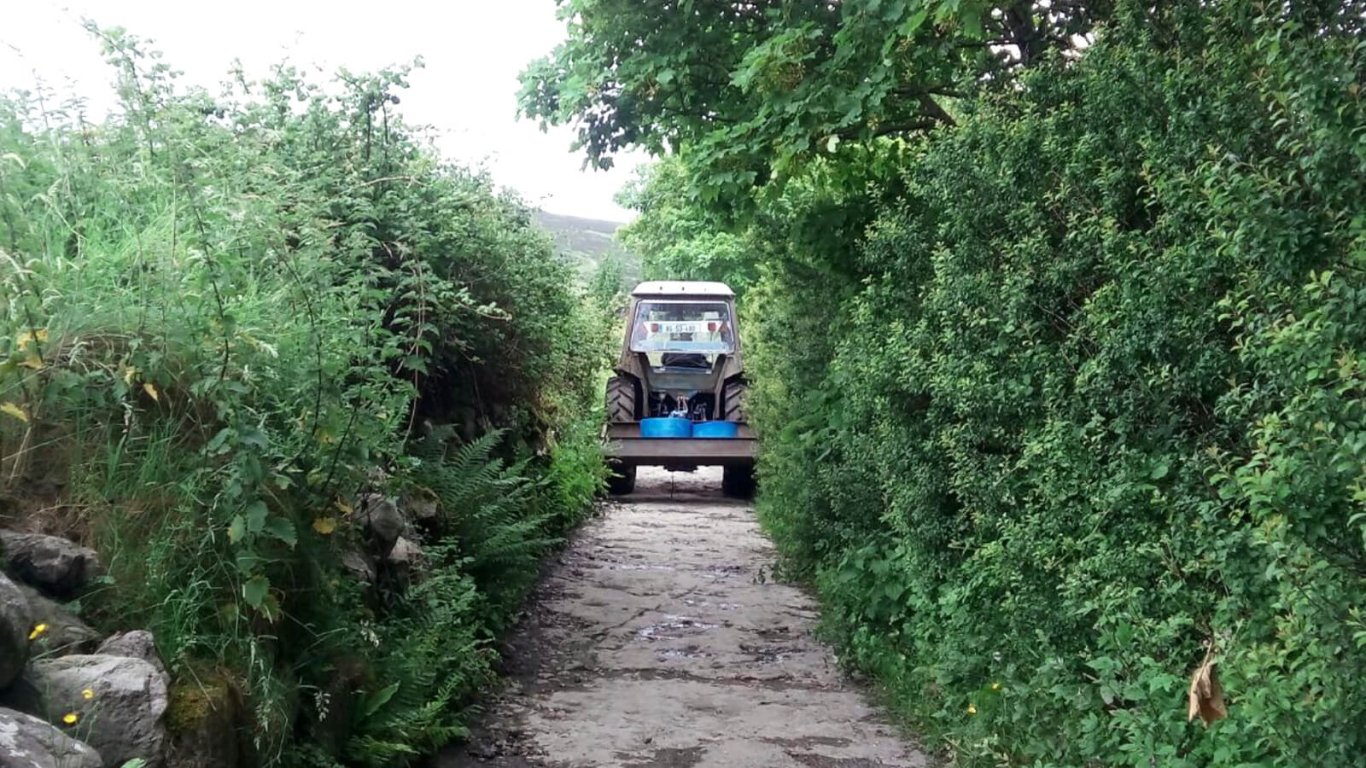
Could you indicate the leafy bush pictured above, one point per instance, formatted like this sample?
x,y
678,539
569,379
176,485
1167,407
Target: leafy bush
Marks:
x,y
1103,381
223,318
1064,395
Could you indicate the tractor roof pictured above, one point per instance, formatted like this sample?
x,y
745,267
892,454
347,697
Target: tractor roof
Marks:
x,y
678,288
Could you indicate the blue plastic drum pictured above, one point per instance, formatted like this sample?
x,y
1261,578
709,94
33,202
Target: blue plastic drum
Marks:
x,y
668,427
716,429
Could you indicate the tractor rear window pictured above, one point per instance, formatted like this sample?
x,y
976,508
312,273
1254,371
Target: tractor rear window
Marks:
x,y
703,327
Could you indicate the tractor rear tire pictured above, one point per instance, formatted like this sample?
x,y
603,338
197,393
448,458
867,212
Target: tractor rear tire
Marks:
x,y
621,405
622,481
738,482
733,401
621,400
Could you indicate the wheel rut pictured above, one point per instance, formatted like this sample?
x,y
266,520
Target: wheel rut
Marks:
x,y
660,639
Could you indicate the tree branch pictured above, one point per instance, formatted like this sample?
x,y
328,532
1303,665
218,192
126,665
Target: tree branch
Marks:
x,y
888,129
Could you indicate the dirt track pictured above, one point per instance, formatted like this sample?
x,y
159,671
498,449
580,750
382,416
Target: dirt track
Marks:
x,y
660,640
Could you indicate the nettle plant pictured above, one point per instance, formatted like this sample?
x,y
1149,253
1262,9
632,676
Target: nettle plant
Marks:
x,y
223,316
165,304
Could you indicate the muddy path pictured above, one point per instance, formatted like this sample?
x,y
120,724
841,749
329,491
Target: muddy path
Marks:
x,y
659,639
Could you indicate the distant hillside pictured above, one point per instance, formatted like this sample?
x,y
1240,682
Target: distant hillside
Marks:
x,y
587,242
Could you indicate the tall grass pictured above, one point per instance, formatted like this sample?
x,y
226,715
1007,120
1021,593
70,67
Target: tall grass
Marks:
x,y
222,317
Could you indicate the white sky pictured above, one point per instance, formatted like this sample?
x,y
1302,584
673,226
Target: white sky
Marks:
x,y
473,52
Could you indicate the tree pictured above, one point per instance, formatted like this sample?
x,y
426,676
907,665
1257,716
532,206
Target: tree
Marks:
x,y
678,239
754,88
607,282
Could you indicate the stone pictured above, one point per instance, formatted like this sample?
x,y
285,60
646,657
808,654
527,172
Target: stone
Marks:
x,y
138,644
27,742
118,700
58,567
382,518
359,566
338,699
202,721
16,622
65,632
422,506
405,553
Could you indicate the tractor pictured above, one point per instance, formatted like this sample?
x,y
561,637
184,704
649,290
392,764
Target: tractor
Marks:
x,y
677,395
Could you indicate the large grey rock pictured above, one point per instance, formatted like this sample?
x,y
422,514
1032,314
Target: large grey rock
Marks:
x,y
405,553
54,565
382,518
359,566
138,644
422,505
120,702
64,632
203,721
16,622
27,742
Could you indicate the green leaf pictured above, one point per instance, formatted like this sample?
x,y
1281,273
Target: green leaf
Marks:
x,y
378,699
283,530
915,22
255,589
971,17
219,443
254,437
415,363
256,514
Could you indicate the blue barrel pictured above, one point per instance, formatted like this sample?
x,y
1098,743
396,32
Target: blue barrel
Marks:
x,y
667,426
716,429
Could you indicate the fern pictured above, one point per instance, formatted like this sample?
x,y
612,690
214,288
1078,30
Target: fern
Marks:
x,y
493,513
489,540
431,662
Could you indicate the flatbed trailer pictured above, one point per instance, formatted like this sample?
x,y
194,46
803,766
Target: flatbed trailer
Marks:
x,y
625,446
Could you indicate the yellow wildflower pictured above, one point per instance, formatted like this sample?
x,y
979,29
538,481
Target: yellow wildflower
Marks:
x,y
972,709
995,686
87,694
71,718
38,631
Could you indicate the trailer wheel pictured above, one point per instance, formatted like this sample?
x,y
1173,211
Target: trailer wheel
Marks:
x,y
738,482
621,400
622,479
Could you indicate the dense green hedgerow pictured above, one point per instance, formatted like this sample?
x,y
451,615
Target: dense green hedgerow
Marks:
x,y
226,318
1096,403
1063,393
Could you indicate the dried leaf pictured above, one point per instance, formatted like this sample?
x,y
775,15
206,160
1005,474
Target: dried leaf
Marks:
x,y
325,525
151,390
1206,698
15,411
39,336
237,529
